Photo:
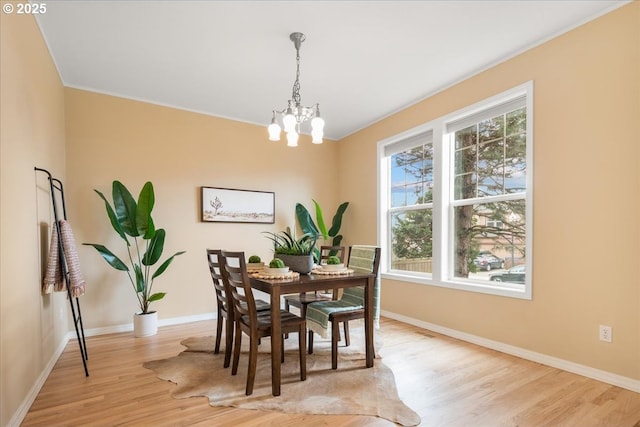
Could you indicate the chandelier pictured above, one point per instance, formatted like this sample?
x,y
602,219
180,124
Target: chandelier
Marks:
x,y
295,114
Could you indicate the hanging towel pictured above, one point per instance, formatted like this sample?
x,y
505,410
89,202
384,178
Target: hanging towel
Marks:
x,y
53,276
361,259
54,280
76,280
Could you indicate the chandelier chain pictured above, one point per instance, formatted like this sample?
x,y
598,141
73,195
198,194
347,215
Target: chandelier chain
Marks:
x,y
295,96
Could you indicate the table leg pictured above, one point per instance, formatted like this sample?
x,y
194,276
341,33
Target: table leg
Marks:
x,y
368,321
276,340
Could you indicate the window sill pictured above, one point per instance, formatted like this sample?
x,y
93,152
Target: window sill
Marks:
x,y
510,290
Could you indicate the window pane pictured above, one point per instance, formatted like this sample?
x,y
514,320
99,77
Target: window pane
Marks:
x,y
465,186
490,169
467,137
427,192
490,236
491,129
465,160
415,194
495,164
398,196
517,121
412,176
515,164
411,238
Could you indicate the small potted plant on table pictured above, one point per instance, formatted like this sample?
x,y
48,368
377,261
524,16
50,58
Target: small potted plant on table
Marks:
x,y
297,254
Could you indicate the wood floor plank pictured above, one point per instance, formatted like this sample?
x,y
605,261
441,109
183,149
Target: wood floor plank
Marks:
x,y
448,382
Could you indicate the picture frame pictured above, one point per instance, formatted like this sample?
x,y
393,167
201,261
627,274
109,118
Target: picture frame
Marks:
x,y
236,205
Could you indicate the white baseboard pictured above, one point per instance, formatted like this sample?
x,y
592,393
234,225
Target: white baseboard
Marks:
x,y
565,365
129,326
23,409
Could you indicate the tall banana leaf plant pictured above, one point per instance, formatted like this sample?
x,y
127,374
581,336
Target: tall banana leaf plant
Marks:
x,y
319,228
144,243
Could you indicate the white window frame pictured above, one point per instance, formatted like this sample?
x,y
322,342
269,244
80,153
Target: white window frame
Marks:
x,y
443,203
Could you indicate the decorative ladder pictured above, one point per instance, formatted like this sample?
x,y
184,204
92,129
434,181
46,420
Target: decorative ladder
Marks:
x,y
56,185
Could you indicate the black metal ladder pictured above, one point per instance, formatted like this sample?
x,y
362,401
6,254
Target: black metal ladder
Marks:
x,y
56,185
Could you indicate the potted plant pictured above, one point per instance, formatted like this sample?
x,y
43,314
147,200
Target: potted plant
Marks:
x,y
254,263
276,267
296,253
132,219
307,225
333,264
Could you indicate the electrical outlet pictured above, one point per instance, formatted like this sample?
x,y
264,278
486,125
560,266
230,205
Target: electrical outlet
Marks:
x,y
606,333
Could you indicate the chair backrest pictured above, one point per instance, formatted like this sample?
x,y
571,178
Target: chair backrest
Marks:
x,y
214,258
327,251
364,259
235,271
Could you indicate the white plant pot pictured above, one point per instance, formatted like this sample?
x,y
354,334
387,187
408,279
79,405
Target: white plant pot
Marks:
x,y
145,325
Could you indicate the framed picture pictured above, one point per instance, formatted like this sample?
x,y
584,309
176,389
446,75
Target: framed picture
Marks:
x,y
230,205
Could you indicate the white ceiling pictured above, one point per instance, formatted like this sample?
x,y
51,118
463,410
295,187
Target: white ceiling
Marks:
x,y
362,60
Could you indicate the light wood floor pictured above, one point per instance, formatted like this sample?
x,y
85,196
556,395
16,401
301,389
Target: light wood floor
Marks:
x,y
448,382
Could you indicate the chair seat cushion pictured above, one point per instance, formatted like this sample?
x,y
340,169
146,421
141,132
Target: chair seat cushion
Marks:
x,y
318,313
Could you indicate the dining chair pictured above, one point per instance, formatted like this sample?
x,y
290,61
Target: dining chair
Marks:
x,y
350,306
301,301
224,305
256,326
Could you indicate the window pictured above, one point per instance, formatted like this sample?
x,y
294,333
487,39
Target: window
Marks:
x,y
411,203
456,202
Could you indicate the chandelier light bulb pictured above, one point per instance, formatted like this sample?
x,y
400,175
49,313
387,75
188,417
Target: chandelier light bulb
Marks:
x,y
317,124
289,122
292,138
316,137
274,131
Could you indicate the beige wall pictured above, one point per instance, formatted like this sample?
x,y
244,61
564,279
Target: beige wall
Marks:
x,y
587,95
32,326
112,138
586,199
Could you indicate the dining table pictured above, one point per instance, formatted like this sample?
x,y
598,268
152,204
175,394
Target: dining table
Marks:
x,y
310,283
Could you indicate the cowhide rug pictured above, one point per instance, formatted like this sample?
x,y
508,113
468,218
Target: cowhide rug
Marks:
x,y
351,389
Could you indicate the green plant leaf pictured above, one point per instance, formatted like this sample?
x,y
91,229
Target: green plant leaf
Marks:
x,y
109,256
288,237
156,246
320,219
146,200
141,286
286,243
337,219
336,240
157,296
151,230
112,217
304,219
165,264
125,207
